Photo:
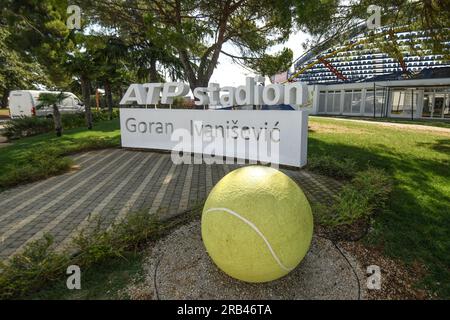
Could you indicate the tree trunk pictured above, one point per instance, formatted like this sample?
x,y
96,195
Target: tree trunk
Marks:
x,y
109,101
86,91
4,102
57,120
153,76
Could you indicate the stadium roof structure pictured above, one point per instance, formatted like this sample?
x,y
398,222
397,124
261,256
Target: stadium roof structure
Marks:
x,y
428,73
358,60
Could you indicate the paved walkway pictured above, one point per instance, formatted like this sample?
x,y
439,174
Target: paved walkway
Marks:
x,y
111,183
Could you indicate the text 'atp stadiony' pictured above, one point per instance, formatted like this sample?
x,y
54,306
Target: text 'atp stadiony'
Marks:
x,y
249,94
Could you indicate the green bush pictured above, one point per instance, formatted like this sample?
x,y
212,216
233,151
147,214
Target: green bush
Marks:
x,y
367,193
375,184
30,126
103,115
40,265
27,126
29,271
98,242
70,121
332,167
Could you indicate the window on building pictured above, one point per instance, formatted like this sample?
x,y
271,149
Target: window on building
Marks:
x,y
352,102
322,101
379,101
439,103
356,102
447,106
337,102
404,102
426,110
398,102
368,106
330,101
348,101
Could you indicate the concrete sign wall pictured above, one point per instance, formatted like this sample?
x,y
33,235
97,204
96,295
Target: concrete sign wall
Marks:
x,y
276,137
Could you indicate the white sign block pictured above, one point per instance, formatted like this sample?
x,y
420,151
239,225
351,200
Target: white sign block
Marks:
x,y
160,129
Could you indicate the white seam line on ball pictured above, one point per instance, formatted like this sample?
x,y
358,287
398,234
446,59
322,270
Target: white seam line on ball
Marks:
x,y
257,231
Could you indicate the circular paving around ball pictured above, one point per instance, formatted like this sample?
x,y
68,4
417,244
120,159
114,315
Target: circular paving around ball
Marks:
x,y
178,267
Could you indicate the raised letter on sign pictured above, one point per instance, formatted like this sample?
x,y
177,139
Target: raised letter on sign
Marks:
x,y
135,93
172,90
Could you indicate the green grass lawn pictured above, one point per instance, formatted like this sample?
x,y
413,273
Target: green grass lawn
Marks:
x,y
41,156
416,225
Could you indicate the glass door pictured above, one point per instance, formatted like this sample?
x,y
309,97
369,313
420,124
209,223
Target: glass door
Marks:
x,y
436,104
427,104
441,103
447,105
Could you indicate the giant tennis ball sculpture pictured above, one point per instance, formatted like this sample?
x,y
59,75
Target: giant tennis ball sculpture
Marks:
x,y
257,224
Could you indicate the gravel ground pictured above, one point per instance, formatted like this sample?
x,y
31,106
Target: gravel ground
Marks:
x,y
398,281
178,267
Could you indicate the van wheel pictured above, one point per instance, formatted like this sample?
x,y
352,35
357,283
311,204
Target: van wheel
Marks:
x,y
49,116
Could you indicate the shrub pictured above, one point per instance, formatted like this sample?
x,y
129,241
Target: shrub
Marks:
x,y
375,185
40,265
27,126
332,167
70,121
103,115
32,269
30,126
97,243
367,193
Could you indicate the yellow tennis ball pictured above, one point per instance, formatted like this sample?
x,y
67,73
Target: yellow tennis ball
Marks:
x,y
257,224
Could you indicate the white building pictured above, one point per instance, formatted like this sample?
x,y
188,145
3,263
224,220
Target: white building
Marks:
x,y
411,99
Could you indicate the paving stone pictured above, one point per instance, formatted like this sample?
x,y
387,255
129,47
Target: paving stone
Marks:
x,y
188,185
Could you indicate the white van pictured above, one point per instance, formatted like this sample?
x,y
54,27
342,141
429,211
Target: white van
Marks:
x,y
23,103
